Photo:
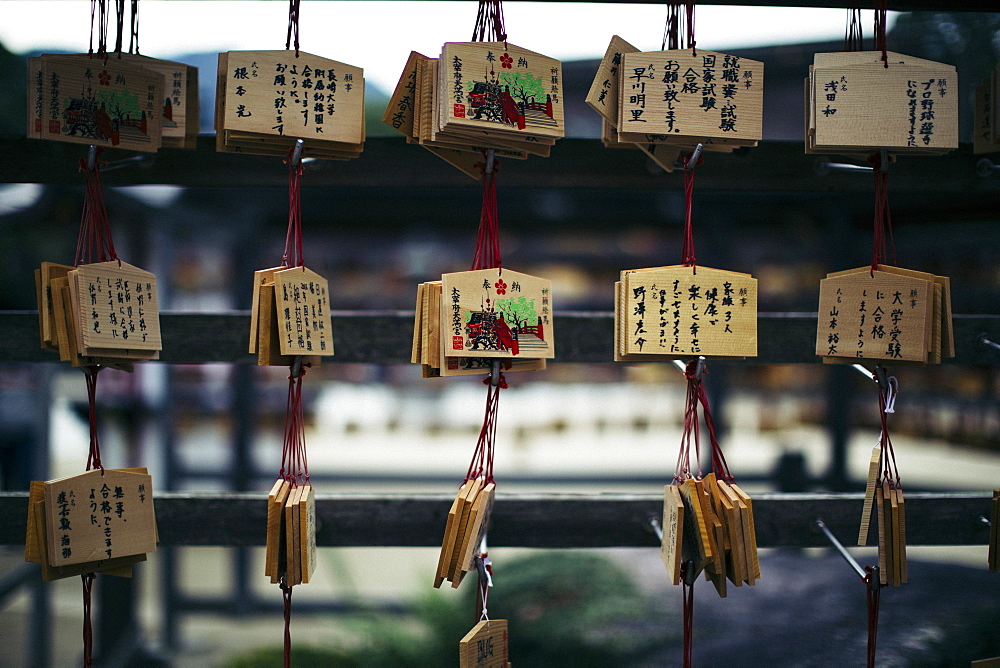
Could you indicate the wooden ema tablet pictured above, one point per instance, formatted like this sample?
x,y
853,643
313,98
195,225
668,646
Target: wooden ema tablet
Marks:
x,y
86,99
179,117
300,96
912,105
303,312
47,273
418,314
694,511
866,510
496,313
479,517
883,316
729,513
742,558
118,307
435,353
885,561
36,545
671,546
749,521
607,85
715,569
682,311
78,306
307,532
485,646
502,88
275,529
451,533
941,318
260,277
702,94
93,516
893,510
455,573
399,111
293,546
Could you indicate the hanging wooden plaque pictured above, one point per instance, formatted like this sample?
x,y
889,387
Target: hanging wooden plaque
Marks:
x,y
866,511
307,532
671,547
479,518
275,542
682,312
301,96
859,103
293,538
496,313
485,646
302,300
451,533
117,308
179,120
701,94
875,315
86,99
500,88
607,85
99,515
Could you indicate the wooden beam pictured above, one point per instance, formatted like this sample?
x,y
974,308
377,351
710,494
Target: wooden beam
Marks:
x,y
541,521
383,337
388,162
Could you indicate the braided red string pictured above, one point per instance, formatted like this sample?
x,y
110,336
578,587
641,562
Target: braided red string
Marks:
x,y
687,593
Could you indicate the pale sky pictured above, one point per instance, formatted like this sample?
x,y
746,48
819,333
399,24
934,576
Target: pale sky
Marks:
x,y
378,35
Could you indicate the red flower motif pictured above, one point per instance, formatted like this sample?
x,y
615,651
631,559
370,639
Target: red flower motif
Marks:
x,y
506,61
105,78
500,285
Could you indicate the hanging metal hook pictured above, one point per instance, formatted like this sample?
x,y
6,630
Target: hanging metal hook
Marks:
x,y
699,369
491,155
695,156
296,369
91,157
989,344
495,373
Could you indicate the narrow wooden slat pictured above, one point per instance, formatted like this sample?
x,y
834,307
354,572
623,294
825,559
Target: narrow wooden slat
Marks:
x,y
542,521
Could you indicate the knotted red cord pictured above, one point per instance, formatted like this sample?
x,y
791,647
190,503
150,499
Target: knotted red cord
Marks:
x,y
854,39
882,241
880,30
872,589
293,236
293,26
687,594
481,465
88,629
697,396
687,249
286,595
489,23
487,252
94,242
689,11
94,456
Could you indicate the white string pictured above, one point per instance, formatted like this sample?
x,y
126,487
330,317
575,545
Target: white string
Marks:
x,y
890,394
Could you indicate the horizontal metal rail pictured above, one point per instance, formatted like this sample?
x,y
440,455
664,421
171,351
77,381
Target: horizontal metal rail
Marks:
x,y
384,337
539,521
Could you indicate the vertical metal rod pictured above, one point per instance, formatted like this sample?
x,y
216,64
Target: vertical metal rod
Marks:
x,y
840,548
654,524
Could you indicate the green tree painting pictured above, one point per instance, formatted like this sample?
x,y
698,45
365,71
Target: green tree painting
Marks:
x,y
518,311
524,86
120,104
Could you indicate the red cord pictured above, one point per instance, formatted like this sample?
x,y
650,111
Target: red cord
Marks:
x,y
687,592
872,588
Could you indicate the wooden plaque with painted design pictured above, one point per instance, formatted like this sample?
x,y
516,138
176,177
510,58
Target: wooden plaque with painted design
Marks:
x,y
500,88
301,96
496,313
485,646
303,310
86,99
